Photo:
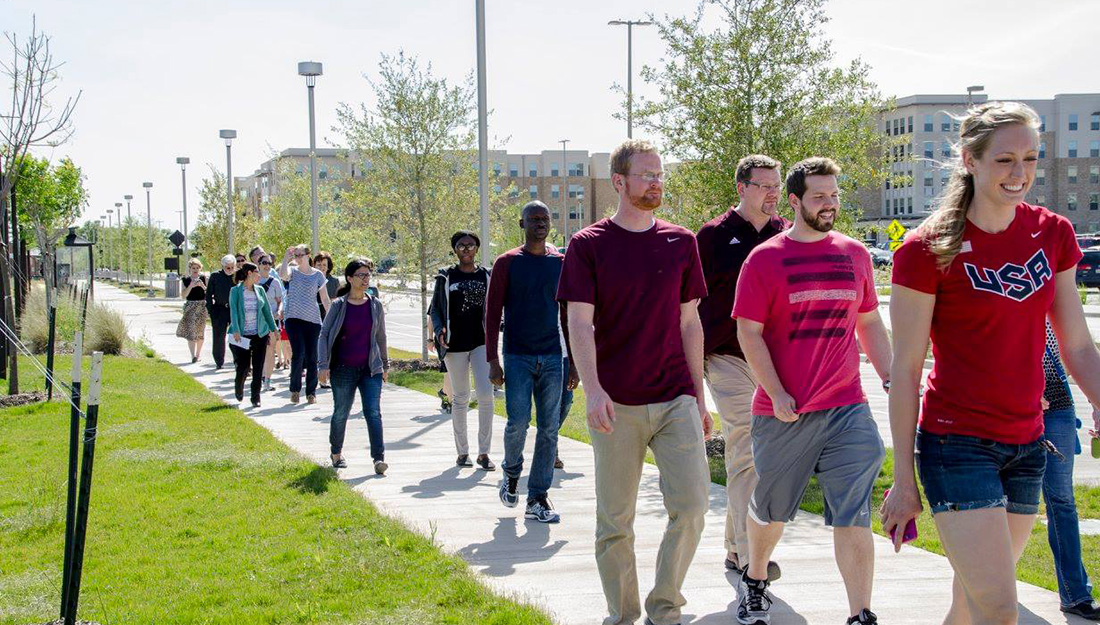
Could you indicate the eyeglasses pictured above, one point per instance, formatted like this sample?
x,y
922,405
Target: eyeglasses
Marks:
x,y
650,177
265,262
767,188
361,276
300,254
466,246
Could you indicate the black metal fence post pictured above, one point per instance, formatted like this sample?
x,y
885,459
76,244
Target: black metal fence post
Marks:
x,y
50,345
77,564
74,444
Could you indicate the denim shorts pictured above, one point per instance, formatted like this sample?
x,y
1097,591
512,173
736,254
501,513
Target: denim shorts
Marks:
x,y
969,473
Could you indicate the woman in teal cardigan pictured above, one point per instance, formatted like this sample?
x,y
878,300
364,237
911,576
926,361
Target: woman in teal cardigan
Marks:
x,y
250,320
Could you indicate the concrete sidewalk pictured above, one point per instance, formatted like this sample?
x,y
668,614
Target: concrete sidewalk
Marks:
x,y
553,565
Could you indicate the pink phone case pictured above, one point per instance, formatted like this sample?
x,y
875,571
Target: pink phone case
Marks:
x,y
910,533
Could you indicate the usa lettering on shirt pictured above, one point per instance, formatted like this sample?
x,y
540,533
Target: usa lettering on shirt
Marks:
x,y
1016,282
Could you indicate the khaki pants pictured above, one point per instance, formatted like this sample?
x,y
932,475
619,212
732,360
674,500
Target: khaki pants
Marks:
x,y
732,384
673,431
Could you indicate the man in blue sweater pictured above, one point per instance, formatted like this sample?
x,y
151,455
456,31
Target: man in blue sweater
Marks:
x,y
523,286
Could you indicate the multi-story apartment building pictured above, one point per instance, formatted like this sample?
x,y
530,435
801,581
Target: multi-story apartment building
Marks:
x,y
575,184
923,129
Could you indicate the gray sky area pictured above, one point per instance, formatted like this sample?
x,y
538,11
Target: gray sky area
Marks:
x,y
160,78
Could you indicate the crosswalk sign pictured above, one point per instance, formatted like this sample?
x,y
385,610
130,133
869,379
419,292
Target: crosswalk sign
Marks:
x,y
896,230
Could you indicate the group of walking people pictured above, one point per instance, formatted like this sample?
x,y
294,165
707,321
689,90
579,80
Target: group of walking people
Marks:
x,y
774,315
336,334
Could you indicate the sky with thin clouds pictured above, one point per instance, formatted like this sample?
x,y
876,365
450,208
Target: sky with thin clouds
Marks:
x,y
159,79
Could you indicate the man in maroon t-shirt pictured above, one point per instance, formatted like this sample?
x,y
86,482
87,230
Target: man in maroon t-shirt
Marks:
x,y
633,283
724,243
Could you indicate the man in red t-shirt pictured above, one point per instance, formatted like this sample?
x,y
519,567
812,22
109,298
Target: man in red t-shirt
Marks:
x,y
724,243
802,299
633,283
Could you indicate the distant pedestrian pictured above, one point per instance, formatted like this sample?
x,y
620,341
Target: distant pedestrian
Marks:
x,y
217,304
458,312
980,277
302,319
192,325
273,286
352,345
632,284
251,321
522,294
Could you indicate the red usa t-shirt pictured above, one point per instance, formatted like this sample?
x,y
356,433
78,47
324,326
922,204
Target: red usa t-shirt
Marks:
x,y
808,295
636,281
988,323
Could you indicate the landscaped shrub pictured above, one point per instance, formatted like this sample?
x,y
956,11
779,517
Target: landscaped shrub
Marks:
x,y
105,331
34,325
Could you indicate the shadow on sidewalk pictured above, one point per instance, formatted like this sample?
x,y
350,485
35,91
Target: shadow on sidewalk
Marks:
x,y
781,612
507,548
446,482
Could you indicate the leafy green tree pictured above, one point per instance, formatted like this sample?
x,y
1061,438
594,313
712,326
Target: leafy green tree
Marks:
x,y
211,232
50,200
761,81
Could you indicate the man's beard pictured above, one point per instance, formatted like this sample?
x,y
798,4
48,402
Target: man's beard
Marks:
x,y
817,223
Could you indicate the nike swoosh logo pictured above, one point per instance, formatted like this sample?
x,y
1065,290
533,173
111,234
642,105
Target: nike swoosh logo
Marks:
x,y
674,239
1035,234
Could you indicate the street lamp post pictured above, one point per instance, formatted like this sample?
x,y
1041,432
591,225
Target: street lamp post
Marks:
x,y
229,136
149,229
970,91
110,248
129,240
183,161
564,191
630,24
482,135
311,70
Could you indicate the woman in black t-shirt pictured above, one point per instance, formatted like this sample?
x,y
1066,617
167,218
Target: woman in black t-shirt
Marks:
x,y
193,324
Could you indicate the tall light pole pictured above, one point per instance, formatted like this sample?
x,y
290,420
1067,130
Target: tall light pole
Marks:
x,y
183,161
482,134
118,209
311,70
129,240
229,136
110,247
970,93
91,270
630,24
149,228
564,190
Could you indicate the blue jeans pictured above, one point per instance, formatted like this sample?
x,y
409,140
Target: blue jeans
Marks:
x,y
962,473
1063,532
345,381
525,376
303,353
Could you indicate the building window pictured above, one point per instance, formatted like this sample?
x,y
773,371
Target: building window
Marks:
x,y
928,179
1094,121
945,149
909,150
895,124
1094,149
513,170
1094,201
554,215
1071,201
1042,149
513,192
576,169
1094,174
1073,121
533,191
954,125
886,208
887,183
1042,123
1071,174
576,191
928,123
929,149
323,172
496,169
910,120
553,170
945,123
1072,152
532,171
909,205
555,190
1040,177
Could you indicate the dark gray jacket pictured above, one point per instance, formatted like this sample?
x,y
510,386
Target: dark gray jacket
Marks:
x,y
439,309
330,329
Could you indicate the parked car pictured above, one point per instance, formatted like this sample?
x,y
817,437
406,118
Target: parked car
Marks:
x,y
1088,270
1085,241
881,257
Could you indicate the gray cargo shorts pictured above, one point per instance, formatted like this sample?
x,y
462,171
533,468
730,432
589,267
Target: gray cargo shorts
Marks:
x,y
841,446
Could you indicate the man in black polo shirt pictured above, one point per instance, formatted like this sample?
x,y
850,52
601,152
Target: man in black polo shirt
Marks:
x,y
724,243
217,303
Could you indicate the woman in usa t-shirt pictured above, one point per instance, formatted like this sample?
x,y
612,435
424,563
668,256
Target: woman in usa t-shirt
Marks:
x,y
979,278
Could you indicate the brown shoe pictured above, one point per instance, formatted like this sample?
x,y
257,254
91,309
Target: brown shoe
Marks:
x,y
295,397
558,464
311,399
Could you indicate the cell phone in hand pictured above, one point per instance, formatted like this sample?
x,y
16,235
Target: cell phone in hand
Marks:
x,y
910,533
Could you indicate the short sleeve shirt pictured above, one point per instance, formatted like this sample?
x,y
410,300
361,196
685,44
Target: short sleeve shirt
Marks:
x,y
466,309
636,281
988,324
301,296
807,296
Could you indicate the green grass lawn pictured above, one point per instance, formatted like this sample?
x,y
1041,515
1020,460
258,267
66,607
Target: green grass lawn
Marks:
x,y
198,515
1036,566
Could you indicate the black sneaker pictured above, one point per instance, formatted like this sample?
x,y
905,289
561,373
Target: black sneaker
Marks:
x,y
1086,609
463,460
754,602
486,464
540,510
774,572
865,617
508,495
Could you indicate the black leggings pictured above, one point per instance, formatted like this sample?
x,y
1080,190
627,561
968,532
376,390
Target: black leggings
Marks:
x,y
251,357
303,345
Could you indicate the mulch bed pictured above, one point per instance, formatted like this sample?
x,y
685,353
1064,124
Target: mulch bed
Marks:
x,y
61,622
21,399
413,365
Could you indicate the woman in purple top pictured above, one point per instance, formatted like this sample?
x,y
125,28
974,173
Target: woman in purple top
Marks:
x,y
351,352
